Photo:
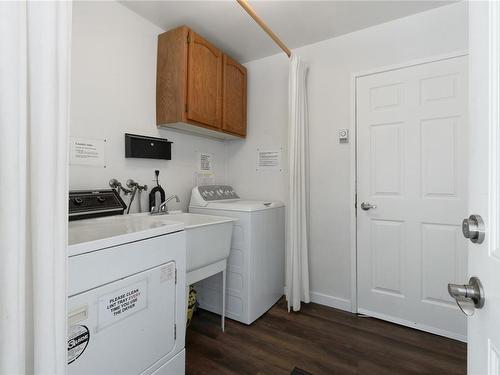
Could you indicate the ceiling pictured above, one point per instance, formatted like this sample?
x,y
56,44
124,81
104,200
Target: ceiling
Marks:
x,y
298,23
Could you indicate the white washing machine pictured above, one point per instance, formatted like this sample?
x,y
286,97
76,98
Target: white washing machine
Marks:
x,y
126,290
256,263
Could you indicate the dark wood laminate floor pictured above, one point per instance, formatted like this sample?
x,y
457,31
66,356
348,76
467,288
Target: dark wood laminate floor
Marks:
x,y
320,340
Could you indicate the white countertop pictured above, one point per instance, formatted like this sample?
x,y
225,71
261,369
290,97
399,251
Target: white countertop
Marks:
x,y
94,234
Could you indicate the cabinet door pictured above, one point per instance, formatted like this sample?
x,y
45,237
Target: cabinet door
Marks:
x,y
204,97
234,97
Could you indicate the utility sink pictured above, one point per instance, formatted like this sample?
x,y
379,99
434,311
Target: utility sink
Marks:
x,y
208,238
208,242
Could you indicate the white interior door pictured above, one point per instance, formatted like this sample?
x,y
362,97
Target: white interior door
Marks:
x,y
412,126
484,187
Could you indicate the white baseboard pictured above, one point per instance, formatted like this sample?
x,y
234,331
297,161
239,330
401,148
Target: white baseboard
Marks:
x,y
331,301
421,327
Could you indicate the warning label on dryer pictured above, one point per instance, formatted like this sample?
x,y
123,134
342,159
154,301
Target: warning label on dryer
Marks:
x,y
122,303
78,339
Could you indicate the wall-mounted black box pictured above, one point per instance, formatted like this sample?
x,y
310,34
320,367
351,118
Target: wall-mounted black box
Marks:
x,y
139,146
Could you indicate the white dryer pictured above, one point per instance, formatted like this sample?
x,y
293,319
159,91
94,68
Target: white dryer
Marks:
x,y
256,263
126,290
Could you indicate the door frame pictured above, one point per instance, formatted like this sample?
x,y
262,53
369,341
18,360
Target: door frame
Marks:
x,y
354,156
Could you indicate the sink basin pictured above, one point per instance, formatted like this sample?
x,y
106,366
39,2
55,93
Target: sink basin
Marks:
x,y
99,233
208,238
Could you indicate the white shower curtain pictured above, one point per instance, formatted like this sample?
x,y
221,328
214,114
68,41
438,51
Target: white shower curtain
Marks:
x,y
34,109
297,259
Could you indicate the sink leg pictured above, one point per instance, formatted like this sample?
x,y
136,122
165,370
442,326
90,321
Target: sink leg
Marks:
x,y
223,315
186,298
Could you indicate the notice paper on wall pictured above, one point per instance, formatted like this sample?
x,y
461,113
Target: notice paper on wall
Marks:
x,y
205,162
87,151
204,174
204,178
268,160
122,303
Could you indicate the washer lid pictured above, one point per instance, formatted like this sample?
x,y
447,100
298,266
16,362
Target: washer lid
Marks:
x,y
243,205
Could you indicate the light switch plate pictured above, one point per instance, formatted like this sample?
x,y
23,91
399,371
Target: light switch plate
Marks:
x,y
343,135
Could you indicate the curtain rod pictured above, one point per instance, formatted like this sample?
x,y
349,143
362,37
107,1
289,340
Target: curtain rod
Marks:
x,y
244,4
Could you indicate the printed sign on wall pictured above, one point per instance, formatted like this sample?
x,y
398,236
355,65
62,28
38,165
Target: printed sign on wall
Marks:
x,y
205,162
122,303
203,179
268,160
86,151
205,174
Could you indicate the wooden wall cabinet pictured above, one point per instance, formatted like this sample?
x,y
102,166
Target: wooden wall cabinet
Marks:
x,y
198,88
234,97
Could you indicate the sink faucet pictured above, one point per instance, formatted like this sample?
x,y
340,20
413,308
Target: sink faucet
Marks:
x,y
162,209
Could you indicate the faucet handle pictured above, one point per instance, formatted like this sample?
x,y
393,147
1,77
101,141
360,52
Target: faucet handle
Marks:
x,y
160,209
131,183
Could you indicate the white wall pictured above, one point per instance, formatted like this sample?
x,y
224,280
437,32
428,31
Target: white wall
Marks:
x,y
113,92
331,64
267,116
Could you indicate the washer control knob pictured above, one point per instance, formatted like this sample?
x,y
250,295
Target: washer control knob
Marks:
x,y
77,201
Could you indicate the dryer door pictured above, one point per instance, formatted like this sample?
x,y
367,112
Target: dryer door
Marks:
x,y
123,327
